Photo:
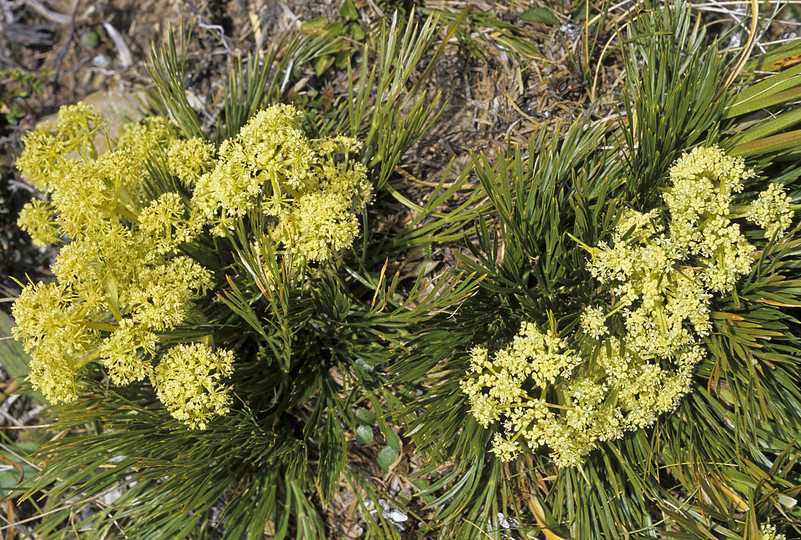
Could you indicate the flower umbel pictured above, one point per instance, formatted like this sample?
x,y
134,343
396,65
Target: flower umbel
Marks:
x,y
128,286
36,218
309,190
187,381
121,285
540,393
660,278
771,212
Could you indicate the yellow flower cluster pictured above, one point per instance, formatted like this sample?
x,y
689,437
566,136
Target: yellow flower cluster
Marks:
x,y
540,393
498,384
190,159
148,138
187,381
124,283
699,201
48,145
37,219
593,322
121,283
662,279
310,190
771,212
50,323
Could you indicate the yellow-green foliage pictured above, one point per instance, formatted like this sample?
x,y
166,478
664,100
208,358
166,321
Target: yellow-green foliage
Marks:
x,y
661,281
125,282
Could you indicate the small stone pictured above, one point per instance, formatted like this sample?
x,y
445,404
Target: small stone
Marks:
x,y
102,61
